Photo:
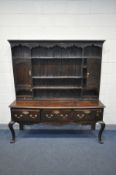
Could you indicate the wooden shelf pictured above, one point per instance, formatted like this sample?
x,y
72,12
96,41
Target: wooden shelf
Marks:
x,y
57,77
91,57
83,57
21,87
56,57
57,87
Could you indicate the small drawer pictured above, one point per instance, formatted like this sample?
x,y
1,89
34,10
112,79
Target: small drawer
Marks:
x,y
88,115
56,115
25,115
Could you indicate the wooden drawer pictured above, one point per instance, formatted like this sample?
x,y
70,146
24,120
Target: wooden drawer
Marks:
x,y
25,115
56,115
87,115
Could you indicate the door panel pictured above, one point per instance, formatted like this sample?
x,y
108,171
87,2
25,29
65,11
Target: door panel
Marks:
x,y
22,76
93,73
22,72
92,78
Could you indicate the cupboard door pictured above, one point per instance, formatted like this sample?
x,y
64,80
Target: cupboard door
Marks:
x,y
91,87
93,73
22,76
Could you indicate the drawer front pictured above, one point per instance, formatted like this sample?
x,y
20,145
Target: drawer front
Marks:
x,y
88,115
25,115
56,115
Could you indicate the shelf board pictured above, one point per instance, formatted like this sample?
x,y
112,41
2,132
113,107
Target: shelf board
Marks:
x,y
21,57
22,96
78,57
56,99
93,57
23,87
57,57
57,87
57,77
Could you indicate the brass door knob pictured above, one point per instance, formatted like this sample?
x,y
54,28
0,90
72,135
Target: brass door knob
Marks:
x,y
88,74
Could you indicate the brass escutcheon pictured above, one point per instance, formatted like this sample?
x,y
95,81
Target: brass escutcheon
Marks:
x,y
87,111
56,112
25,112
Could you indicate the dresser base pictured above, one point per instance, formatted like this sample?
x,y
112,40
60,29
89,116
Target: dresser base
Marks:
x,y
57,112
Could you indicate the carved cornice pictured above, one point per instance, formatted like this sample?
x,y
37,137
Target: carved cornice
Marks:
x,y
55,43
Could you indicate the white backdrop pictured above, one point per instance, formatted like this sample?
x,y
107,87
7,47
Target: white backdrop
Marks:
x,y
59,19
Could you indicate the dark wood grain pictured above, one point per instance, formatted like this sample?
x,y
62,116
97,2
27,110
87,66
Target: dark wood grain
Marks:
x,y
57,104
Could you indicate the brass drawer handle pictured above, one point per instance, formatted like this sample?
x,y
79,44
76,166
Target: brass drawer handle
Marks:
x,y
80,116
61,115
18,116
35,116
25,112
65,116
49,116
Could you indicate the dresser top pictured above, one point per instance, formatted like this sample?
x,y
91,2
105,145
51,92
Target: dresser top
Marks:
x,y
57,104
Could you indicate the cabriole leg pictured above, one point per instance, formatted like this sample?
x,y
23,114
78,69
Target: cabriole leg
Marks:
x,y
102,124
12,131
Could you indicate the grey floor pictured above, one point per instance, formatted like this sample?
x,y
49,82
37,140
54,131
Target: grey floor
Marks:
x,y
57,151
